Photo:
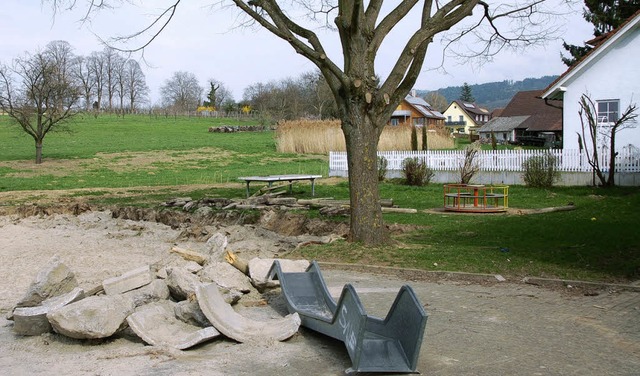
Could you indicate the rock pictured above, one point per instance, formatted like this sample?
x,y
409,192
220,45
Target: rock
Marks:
x,y
216,245
128,281
156,324
32,321
192,266
226,276
182,283
154,291
52,280
259,270
92,317
189,312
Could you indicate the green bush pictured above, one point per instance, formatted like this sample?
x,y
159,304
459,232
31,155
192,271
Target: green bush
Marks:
x,y
382,168
540,171
416,172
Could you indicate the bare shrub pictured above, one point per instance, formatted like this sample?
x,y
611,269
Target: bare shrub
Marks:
x,y
470,165
416,172
382,168
540,171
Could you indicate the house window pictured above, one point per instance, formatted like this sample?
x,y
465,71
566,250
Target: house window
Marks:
x,y
449,118
608,111
461,118
394,121
418,121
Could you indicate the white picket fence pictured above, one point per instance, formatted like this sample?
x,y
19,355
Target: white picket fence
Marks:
x,y
568,160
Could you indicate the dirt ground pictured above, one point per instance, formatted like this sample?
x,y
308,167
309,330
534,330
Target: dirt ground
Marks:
x,y
473,329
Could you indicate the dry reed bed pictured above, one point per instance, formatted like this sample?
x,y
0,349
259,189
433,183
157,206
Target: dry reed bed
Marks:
x,y
323,136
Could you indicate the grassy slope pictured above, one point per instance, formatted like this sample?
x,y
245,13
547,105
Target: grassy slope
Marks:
x,y
597,241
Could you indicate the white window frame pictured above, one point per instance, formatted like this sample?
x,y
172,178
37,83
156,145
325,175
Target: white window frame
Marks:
x,y
607,116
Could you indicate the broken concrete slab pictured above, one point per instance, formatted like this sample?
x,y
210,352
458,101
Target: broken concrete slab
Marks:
x,y
52,280
237,327
181,282
189,311
128,281
157,325
154,291
192,266
217,245
225,276
32,321
92,317
259,270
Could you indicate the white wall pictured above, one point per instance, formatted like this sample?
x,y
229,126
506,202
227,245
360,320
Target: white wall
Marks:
x,y
615,74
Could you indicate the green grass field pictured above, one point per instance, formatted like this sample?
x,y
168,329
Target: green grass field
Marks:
x,y
597,241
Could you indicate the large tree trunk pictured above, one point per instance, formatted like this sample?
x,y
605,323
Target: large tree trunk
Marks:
x,y
367,225
38,151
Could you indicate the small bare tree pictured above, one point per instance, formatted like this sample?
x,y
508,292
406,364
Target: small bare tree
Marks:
x,y
470,165
37,96
592,129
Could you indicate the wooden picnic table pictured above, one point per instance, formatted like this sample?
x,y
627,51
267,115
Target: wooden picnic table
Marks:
x,y
270,179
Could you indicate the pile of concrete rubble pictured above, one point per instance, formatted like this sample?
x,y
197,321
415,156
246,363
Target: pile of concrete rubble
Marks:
x,y
181,301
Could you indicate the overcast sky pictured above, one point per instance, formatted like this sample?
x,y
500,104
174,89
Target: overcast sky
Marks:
x,y
208,43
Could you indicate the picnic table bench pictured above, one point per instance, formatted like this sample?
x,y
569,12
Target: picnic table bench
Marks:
x,y
270,179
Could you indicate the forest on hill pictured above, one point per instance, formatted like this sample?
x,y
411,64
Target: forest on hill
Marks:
x,y
492,95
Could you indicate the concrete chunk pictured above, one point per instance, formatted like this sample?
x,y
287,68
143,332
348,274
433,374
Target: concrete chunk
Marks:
x,y
181,282
226,276
237,327
217,244
52,280
128,281
32,321
156,324
92,317
153,292
189,311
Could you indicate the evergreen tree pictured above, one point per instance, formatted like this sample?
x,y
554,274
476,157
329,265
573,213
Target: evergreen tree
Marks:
x,y
605,15
465,94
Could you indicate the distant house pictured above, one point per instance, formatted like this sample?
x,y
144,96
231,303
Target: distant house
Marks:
x,y
527,119
610,75
416,111
464,117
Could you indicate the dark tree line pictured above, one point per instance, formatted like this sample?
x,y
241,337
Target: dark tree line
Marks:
x,y
307,96
605,15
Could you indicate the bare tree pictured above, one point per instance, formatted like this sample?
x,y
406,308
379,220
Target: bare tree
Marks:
x,y
218,94
365,101
437,101
136,84
113,65
182,92
97,69
83,75
320,96
597,133
37,96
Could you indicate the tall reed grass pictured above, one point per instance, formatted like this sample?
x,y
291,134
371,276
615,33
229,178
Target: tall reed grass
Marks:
x,y
323,136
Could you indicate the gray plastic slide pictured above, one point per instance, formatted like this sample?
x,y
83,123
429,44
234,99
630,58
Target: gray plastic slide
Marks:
x,y
373,344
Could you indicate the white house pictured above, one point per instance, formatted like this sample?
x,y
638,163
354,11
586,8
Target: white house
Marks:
x,y
610,75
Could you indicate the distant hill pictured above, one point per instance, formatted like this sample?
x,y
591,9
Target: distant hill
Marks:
x,y
494,94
